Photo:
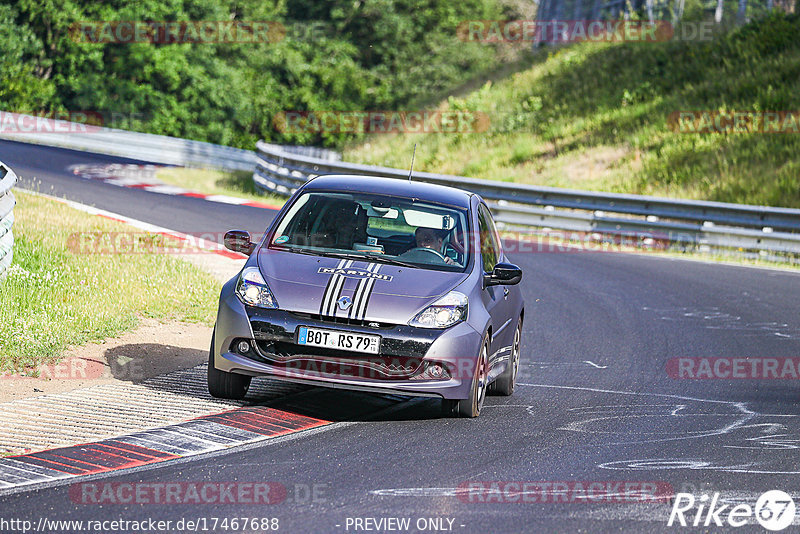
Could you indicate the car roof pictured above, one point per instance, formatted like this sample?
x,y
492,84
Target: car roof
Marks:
x,y
439,194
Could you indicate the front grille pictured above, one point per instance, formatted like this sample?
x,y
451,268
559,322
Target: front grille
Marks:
x,y
280,327
328,319
337,362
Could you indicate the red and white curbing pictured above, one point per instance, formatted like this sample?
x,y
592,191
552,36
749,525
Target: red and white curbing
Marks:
x,y
144,177
209,433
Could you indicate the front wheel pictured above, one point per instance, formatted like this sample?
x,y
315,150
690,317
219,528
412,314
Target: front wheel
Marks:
x,y
223,385
505,383
471,407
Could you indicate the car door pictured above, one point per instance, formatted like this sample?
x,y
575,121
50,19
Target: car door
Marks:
x,y
495,298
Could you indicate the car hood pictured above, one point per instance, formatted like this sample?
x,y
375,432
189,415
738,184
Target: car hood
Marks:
x,y
377,291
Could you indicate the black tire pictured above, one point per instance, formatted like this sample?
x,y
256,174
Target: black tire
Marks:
x,y
223,385
471,407
505,383
449,407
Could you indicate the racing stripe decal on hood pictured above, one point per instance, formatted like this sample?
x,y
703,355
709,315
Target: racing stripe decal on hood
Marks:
x,y
364,286
361,310
332,289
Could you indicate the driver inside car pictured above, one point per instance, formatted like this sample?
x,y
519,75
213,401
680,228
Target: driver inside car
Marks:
x,y
433,239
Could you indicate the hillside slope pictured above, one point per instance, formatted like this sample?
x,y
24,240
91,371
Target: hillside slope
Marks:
x,y
595,116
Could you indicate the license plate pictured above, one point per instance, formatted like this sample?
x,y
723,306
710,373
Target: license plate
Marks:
x,y
334,339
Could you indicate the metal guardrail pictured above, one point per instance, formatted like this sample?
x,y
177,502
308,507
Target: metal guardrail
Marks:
x,y
136,145
312,151
688,223
7,203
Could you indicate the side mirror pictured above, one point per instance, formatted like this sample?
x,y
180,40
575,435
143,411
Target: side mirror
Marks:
x,y
239,241
504,274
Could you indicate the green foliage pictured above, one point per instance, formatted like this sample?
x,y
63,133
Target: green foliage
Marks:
x,y
23,84
337,55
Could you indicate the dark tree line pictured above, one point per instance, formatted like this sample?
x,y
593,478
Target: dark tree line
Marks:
x,y
336,55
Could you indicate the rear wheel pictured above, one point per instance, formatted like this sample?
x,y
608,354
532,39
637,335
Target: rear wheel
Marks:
x,y
471,407
223,385
505,383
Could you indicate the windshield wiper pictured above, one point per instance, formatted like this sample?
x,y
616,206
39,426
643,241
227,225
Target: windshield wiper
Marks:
x,y
373,257
391,261
296,248
379,258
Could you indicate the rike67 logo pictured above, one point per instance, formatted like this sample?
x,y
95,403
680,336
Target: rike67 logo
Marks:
x,y
774,510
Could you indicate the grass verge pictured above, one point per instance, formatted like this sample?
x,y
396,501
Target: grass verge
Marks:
x,y
214,182
54,297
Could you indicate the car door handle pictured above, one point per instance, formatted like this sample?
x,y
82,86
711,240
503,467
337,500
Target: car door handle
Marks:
x,y
505,292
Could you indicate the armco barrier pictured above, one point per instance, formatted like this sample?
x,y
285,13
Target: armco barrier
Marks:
x,y
7,202
148,147
772,231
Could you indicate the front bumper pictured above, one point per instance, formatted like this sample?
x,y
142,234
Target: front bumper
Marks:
x,y
405,352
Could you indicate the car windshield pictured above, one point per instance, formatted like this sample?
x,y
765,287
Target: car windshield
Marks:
x,y
385,229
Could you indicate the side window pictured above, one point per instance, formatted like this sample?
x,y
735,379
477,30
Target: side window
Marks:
x,y
487,232
498,243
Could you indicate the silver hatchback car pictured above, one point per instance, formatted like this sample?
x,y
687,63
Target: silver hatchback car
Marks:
x,y
373,284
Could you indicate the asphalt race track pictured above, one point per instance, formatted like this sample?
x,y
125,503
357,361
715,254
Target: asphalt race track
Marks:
x,y
594,402
44,169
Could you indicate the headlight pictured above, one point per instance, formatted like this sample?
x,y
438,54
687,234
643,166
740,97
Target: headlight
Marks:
x,y
445,312
253,290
